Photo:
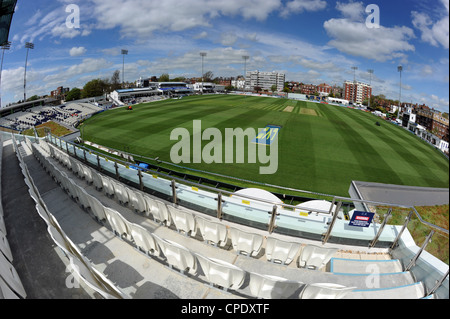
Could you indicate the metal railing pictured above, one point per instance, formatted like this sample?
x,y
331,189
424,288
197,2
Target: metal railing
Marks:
x,y
332,215
269,213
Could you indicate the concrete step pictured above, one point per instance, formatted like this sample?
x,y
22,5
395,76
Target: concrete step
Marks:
x,y
352,266
413,291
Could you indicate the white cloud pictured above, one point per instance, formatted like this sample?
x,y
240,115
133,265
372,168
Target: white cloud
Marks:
x,y
77,51
228,38
299,6
144,17
380,44
433,32
352,10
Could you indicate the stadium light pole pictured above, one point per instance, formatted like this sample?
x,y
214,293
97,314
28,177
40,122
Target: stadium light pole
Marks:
x,y
400,70
354,68
370,83
5,46
245,57
203,55
28,46
124,53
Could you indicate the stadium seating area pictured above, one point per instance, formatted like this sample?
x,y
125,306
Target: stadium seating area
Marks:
x,y
69,114
199,252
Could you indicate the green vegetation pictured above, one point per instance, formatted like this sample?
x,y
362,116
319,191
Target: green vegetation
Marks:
x,y
55,128
322,147
436,215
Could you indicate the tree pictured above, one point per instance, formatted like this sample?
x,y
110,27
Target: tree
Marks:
x,y
94,88
33,98
164,78
208,76
115,81
73,95
274,88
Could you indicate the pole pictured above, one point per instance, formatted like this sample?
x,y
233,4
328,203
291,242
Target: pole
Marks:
x,y
202,54
354,68
400,69
28,46
245,57
124,52
6,46
370,95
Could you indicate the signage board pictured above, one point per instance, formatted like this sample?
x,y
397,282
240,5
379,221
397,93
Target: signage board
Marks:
x,y
361,219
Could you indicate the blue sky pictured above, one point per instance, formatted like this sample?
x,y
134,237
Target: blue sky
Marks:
x,y
312,41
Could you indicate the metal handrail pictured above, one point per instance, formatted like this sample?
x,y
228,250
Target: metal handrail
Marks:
x,y
340,199
446,231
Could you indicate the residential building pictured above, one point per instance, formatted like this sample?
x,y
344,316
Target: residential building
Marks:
x,y
264,80
357,92
60,93
324,89
308,89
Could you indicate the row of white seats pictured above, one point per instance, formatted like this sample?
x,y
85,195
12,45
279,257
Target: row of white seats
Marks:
x,y
217,272
229,276
245,243
79,265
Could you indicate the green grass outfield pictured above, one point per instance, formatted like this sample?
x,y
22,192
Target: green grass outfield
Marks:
x,y
322,148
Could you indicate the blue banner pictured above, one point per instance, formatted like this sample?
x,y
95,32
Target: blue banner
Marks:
x,y
361,219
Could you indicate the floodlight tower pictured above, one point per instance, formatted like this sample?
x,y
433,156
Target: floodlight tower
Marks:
x,y
370,83
28,46
400,69
124,53
245,57
4,47
354,68
203,55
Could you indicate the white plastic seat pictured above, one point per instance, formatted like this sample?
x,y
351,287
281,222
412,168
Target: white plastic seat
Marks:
x,y
213,232
4,247
325,291
97,180
183,221
120,192
2,224
279,251
6,292
144,239
177,256
76,167
11,277
97,208
152,206
221,273
87,174
272,287
313,257
158,210
87,275
118,223
83,198
246,243
108,186
137,201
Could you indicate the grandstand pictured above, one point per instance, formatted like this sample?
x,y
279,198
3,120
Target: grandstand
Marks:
x,y
120,233
69,114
